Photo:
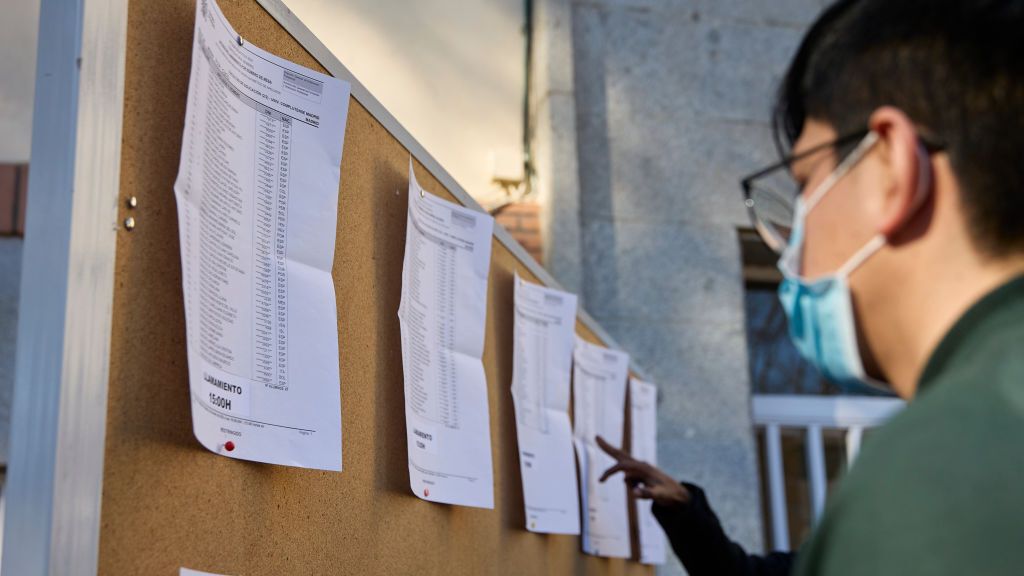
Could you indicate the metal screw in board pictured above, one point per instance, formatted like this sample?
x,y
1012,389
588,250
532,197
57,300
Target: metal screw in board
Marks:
x,y
129,223
133,202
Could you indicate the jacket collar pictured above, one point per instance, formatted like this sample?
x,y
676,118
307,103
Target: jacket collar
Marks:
x,y
1002,306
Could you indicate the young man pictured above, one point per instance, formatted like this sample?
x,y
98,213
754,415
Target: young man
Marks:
x,y
902,245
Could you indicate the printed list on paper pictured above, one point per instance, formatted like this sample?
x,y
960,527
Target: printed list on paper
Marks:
x,y
257,196
441,315
643,406
544,327
599,404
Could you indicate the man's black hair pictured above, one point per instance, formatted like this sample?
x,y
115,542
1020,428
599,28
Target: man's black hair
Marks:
x,y
955,67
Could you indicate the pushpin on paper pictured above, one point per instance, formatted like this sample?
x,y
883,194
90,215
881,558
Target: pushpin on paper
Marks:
x,y
229,445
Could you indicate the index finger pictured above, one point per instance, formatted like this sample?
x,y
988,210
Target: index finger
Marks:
x,y
611,450
631,468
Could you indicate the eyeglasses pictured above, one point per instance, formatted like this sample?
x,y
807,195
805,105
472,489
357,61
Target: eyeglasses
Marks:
x,y
770,194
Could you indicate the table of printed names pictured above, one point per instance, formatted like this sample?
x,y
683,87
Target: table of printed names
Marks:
x,y
532,331
270,225
221,261
438,269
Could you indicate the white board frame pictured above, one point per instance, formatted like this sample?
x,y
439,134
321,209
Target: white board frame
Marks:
x,y
62,363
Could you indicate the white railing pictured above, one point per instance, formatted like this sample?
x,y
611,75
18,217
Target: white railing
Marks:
x,y
812,414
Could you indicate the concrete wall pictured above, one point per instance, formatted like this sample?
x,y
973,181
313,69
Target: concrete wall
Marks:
x,y
452,72
10,282
669,107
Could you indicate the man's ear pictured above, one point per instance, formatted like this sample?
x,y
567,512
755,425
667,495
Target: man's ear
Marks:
x,y
905,166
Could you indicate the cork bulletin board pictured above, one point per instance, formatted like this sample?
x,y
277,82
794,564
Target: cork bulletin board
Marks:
x,y
167,502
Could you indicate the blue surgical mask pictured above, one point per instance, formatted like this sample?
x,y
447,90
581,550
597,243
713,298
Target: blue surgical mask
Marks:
x,y
822,324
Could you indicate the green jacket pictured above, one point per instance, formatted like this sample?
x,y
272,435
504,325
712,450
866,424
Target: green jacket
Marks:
x,y
940,488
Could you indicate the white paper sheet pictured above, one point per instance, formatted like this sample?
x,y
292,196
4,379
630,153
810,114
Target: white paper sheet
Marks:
x,y
545,322
643,405
599,405
257,195
442,315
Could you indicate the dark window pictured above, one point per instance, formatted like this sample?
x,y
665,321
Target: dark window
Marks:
x,y
775,365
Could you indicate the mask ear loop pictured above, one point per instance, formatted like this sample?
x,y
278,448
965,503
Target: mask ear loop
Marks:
x,y
866,251
804,208
924,184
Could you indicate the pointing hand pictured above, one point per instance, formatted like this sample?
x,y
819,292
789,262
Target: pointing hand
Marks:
x,y
646,481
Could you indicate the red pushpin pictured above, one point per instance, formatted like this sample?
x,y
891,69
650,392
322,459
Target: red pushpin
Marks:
x,y
426,492
229,446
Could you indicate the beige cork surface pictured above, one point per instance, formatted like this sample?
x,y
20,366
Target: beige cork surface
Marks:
x,y
167,502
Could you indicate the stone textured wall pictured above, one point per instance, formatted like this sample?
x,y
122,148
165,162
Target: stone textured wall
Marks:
x,y
10,281
669,106
13,187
